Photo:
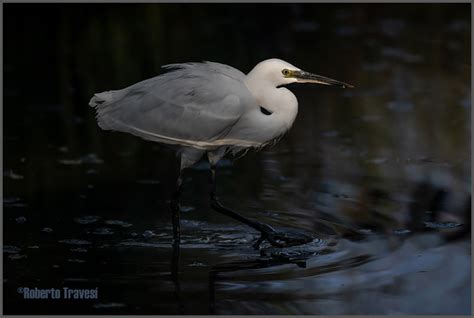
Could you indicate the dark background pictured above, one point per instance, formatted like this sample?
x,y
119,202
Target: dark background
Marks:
x,y
390,158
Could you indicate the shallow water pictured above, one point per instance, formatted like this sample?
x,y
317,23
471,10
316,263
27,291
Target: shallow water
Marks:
x,y
380,173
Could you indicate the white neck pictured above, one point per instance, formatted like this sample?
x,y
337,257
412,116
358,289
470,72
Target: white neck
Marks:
x,y
280,101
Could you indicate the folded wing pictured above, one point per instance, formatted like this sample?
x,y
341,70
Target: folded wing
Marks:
x,y
194,105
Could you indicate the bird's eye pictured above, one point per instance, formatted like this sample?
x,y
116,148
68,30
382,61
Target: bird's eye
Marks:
x,y
285,72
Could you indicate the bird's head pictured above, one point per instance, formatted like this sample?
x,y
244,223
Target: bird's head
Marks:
x,y
278,73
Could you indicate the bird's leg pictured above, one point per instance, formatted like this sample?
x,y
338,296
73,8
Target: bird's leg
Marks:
x,y
276,238
216,205
174,206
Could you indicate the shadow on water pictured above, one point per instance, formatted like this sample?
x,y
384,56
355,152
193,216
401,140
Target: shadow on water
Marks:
x,y
380,174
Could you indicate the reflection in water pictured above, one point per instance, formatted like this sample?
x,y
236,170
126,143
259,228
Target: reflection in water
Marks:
x,y
380,174
175,276
244,266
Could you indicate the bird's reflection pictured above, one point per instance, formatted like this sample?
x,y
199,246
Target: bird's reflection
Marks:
x,y
265,262
175,276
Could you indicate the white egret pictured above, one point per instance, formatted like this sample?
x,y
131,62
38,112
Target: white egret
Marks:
x,y
210,109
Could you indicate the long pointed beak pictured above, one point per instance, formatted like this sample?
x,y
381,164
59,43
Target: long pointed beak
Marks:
x,y
306,77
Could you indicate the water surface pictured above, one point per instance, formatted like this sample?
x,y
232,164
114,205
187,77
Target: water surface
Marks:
x,y
380,173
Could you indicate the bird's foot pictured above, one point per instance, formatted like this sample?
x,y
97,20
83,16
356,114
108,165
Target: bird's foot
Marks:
x,y
277,238
282,238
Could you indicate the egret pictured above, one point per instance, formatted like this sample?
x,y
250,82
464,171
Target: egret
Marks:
x,y
211,109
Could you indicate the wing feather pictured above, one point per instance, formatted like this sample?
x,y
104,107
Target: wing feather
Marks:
x,y
194,104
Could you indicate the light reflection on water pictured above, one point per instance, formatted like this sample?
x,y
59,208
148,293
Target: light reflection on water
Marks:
x,y
381,172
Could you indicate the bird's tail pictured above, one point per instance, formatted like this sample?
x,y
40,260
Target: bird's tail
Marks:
x,y
101,99
103,103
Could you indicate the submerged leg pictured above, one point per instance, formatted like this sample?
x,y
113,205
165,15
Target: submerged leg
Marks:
x,y
274,237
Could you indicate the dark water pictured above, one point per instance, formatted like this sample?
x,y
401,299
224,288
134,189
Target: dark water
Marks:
x,y
380,173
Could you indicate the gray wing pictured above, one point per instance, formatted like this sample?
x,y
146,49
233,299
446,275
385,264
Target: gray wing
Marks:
x,y
193,105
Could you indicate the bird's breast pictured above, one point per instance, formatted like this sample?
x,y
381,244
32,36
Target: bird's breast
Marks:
x,y
266,121
257,128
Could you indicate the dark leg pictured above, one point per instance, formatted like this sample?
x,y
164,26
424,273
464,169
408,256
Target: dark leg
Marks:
x,y
275,238
174,206
216,205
